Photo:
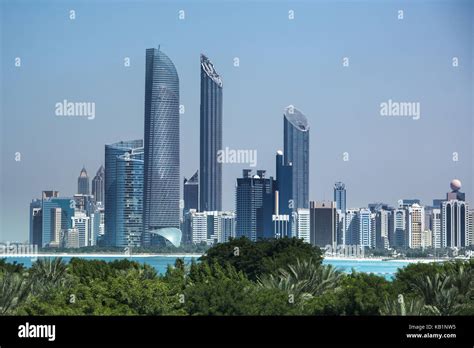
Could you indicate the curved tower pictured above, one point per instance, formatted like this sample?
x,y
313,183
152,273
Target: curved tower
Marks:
x,y
296,153
161,150
210,170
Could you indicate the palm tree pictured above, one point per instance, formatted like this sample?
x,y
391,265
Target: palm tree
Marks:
x,y
48,273
304,279
14,290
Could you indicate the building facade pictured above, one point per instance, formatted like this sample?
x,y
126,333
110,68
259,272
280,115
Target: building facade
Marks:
x,y
296,154
210,169
161,149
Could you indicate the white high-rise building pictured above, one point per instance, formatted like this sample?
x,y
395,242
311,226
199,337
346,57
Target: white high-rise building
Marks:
x,y
416,225
426,239
470,239
212,226
301,224
80,222
435,222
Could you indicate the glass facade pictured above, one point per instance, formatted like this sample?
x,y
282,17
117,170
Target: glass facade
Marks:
x,y
296,153
210,137
124,193
161,151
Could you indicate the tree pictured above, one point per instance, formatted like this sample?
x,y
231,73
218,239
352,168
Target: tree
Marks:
x,y
263,256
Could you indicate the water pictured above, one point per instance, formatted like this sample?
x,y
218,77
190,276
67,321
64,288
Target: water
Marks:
x,y
385,269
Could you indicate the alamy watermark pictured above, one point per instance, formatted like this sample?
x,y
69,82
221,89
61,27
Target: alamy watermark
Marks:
x,y
228,155
405,109
344,250
19,250
78,109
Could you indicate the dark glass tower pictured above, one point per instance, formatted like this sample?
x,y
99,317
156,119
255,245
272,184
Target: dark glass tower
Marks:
x,y
191,193
83,182
340,196
210,170
254,198
296,153
161,172
98,185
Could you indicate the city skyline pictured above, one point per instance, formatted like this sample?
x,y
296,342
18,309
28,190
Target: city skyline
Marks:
x,y
401,184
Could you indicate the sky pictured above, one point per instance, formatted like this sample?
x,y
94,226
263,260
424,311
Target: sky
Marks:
x,y
282,62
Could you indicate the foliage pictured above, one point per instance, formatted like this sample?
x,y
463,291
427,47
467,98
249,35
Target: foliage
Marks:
x,y
261,257
273,277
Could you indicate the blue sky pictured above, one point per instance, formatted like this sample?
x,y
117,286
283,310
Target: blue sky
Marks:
x,y
282,62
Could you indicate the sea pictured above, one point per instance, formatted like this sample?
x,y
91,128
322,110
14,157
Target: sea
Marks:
x,y
384,268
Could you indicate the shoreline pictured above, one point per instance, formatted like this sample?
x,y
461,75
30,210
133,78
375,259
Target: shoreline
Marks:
x,y
197,255
108,255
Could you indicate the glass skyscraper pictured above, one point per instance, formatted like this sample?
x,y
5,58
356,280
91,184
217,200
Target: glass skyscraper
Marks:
x,y
161,167
340,196
210,137
191,193
98,185
296,153
83,182
124,193
254,198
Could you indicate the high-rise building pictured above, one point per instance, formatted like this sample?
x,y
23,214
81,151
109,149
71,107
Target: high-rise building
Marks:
x,y
296,154
399,228
161,151
210,169
323,224
302,225
36,222
191,193
351,228
80,222
454,223
340,196
365,228
284,182
211,226
124,193
382,228
435,226
70,238
83,182
50,218
98,186
415,225
254,205
471,227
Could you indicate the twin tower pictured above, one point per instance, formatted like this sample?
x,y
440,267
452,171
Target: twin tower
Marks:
x,y
161,186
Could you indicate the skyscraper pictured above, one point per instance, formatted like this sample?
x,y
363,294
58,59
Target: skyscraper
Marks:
x,y
83,182
191,193
416,225
124,193
340,196
455,218
210,169
98,186
252,214
323,224
454,223
161,171
365,228
296,153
